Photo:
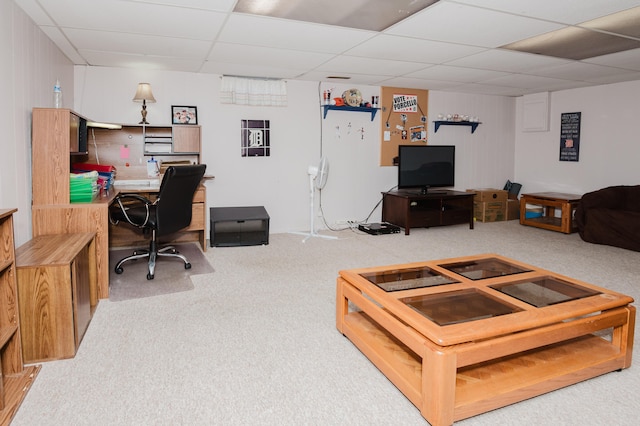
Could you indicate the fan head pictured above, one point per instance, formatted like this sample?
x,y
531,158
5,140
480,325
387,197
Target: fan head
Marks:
x,y
321,173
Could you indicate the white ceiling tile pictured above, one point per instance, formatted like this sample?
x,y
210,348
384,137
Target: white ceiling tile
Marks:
x,y
487,89
608,79
354,78
219,5
134,43
411,49
565,11
122,60
138,18
447,46
286,34
449,73
33,9
62,42
579,71
628,60
506,60
258,70
457,23
524,81
357,65
264,56
419,83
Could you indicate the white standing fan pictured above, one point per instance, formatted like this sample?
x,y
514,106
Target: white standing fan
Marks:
x,y
317,180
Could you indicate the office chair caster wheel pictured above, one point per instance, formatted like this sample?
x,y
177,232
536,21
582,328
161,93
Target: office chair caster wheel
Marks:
x,y
187,266
119,270
149,276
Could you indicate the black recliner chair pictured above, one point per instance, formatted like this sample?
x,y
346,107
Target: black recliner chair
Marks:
x,y
169,213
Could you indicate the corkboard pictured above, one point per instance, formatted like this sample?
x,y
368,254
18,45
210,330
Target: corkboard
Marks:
x,y
412,103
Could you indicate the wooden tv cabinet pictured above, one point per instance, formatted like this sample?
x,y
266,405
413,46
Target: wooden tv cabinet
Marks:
x,y
410,209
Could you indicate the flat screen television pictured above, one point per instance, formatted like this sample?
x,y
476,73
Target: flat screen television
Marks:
x,y
421,167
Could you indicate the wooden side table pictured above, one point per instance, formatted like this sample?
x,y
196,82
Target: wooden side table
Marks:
x,y
57,290
550,201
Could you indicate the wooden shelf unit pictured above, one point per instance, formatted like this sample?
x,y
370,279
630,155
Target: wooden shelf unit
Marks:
x,y
177,140
52,212
16,379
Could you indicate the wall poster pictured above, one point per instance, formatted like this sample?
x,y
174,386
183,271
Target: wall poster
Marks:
x,y
570,136
256,138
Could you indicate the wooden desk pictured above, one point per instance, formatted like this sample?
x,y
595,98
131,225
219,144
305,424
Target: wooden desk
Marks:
x,y
52,130
128,236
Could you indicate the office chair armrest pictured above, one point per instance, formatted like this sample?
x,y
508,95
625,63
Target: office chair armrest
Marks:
x,y
126,197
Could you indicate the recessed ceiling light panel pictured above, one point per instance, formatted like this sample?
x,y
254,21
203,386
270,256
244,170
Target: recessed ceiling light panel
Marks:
x,y
373,15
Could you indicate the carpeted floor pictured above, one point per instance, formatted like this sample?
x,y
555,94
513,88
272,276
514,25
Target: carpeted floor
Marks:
x,y
255,342
170,275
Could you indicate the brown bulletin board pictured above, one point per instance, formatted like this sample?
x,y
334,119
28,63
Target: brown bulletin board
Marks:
x,y
410,103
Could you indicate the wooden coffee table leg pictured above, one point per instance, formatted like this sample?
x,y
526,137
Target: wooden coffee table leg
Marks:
x,y
438,387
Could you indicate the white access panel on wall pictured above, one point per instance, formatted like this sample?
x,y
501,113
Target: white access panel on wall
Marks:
x,y
535,112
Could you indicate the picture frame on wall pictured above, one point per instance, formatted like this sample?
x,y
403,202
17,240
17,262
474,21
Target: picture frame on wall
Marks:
x,y
184,114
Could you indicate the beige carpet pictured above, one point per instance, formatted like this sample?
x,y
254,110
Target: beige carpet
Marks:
x,y
170,275
255,342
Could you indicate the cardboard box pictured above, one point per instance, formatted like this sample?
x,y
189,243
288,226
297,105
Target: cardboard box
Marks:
x,y
488,194
490,211
513,209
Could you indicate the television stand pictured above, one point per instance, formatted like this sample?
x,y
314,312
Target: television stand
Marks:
x,y
411,209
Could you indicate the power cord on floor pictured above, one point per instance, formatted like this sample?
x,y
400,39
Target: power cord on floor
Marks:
x,y
351,224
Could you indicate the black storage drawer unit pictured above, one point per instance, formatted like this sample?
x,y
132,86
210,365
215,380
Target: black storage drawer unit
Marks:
x,y
239,226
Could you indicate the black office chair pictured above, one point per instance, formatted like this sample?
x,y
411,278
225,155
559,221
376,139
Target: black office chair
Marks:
x,y
170,212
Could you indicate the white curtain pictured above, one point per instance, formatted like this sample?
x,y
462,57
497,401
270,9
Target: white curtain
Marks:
x,y
253,91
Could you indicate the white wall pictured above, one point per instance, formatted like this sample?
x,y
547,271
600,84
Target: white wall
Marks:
x,y
29,67
299,137
484,159
609,142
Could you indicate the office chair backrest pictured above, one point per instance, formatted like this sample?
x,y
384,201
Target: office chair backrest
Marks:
x,y
173,208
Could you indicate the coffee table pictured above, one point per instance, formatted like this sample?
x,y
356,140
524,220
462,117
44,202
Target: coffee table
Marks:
x,y
467,335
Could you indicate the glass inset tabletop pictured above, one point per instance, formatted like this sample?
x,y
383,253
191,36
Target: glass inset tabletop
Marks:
x,y
545,291
406,279
455,307
484,268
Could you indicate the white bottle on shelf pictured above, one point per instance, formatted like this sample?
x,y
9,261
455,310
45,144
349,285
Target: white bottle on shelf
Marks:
x,y
57,95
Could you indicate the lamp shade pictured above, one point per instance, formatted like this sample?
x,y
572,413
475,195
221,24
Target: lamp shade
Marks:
x,y
144,93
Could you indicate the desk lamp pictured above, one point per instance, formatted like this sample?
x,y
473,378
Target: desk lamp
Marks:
x,y
143,94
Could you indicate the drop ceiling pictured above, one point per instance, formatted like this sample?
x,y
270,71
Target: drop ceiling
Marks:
x,y
470,46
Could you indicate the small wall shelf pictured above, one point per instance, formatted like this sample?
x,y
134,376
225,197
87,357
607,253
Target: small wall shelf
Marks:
x,y
373,111
473,125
